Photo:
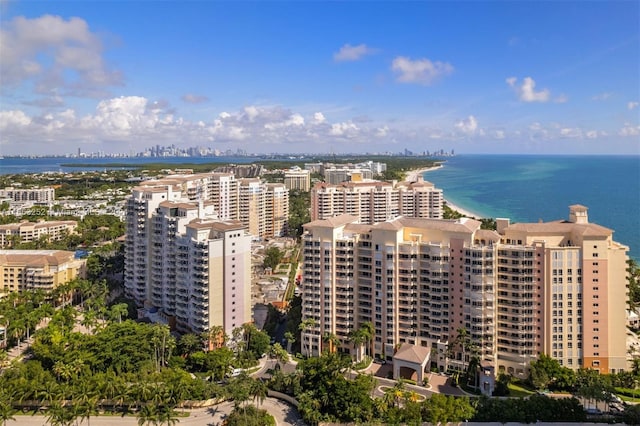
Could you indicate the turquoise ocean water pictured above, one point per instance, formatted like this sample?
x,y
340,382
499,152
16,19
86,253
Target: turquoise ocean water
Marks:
x,y
522,188
529,188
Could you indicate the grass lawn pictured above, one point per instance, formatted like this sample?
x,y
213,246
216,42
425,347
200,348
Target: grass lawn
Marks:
x,y
519,391
628,398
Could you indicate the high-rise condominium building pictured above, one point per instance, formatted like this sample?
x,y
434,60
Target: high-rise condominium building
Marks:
x,y
297,178
557,288
262,207
185,262
24,232
22,270
375,201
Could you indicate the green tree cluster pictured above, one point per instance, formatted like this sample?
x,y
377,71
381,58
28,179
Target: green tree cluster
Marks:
x,y
299,202
272,257
530,410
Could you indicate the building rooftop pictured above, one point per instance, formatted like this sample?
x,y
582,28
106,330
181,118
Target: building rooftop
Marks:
x,y
412,353
561,227
35,257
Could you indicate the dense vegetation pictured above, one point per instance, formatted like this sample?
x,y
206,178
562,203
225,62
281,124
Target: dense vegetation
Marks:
x,y
90,358
299,214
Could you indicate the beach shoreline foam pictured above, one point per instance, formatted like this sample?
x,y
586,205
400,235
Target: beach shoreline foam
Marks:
x,y
413,175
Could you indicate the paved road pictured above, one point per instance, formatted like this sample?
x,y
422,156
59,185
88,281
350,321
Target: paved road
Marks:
x,y
284,414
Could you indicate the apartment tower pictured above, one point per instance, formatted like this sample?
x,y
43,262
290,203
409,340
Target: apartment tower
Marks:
x,y
525,289
375,201
185,262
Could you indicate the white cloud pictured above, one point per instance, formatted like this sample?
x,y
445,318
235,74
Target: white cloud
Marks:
x,y
468,126
251,112
526,92
318,118
353,53
13,119
629,130
381,132
60,56
602,96
568,132
190,98
421,71
293,120
125,123
343,129
632,105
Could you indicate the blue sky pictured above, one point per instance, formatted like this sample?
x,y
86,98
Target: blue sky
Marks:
x,y
553,77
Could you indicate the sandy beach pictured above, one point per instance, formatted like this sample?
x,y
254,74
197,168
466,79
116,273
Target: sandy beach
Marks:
x,y
412,176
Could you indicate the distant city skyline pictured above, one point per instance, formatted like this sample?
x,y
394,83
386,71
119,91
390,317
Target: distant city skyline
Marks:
x,y
318,77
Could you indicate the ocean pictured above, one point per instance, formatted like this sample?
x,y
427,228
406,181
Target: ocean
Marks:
x,y
524,188
527,188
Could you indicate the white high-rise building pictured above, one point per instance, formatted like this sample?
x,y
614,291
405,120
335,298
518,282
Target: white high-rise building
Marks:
x,y
183,260
251,201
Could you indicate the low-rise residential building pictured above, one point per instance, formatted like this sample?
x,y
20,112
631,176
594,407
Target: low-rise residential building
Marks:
x,y
24,232
22,270
29,195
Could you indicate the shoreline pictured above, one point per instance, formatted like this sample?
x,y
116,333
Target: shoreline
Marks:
x,y
413,175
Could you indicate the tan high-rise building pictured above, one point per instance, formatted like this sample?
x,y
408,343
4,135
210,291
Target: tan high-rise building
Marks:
x,y
22,270
374,201
555,288
297,179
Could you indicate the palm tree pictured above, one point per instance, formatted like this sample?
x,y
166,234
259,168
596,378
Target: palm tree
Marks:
x,y
259,391
147,415
464,342
189,343
358,338
291,338
368,331
119,311
59,415
166,414
332,340
6,412
87,408
49,392
215,337
304,326
281,356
